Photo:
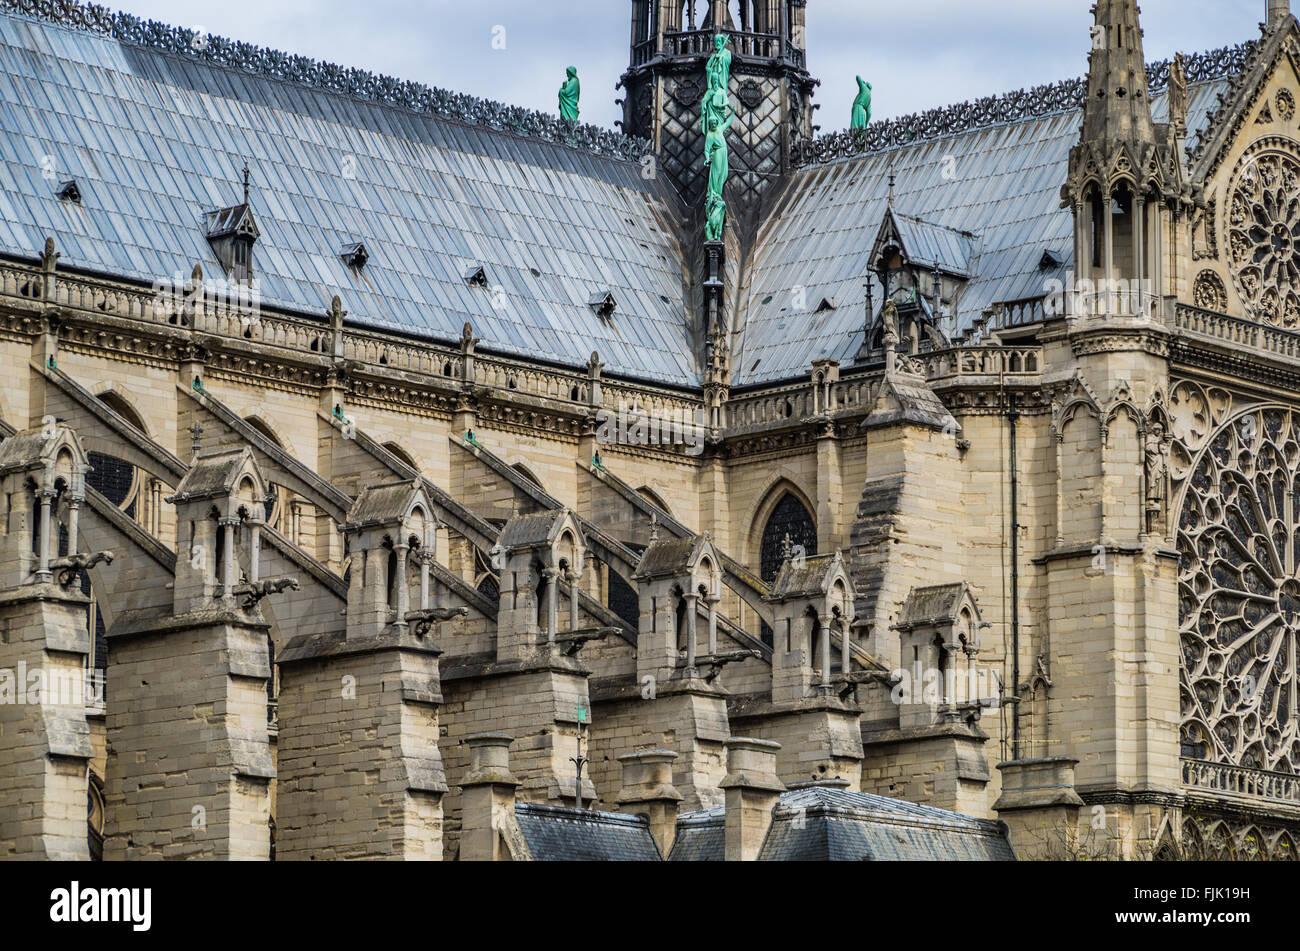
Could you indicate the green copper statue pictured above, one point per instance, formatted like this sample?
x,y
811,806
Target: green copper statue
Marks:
x,y
718,69
716,116
716,157
717,219
569,94
862,106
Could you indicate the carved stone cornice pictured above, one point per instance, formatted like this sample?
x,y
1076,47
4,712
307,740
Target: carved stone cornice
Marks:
x,y
1245,365
1112,339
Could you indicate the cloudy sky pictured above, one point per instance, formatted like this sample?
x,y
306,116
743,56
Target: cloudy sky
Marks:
x,y
917,55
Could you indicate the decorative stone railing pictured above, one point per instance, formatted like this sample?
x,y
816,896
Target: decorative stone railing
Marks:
x,y
1238,781
700,43
954,364
1237,332
226,316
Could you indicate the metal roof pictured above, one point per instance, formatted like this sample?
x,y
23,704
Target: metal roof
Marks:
x,y
822,823
566,834
156,137
1001,184
930,246
158,140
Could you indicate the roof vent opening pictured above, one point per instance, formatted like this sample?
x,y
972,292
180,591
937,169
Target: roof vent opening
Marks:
x,y
232,232
828,303
604,304
475,275
1050,261
355,255
69,191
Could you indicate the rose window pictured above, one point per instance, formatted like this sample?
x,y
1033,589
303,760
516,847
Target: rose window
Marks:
x,y
1264,238
1239,595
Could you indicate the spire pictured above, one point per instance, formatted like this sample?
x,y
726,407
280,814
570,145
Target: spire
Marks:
x,y
1117,108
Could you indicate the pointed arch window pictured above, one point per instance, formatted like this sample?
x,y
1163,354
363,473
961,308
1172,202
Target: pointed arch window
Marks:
x,y
791,518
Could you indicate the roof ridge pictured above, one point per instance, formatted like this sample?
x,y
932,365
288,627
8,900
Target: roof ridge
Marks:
x,y
357,83
1048,99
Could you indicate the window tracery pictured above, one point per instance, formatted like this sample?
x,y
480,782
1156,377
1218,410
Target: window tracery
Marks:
x,y
1239,594
1264,237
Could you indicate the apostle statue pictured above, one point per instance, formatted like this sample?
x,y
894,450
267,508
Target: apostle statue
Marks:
x,y
862,106
718,69
569,94
717,219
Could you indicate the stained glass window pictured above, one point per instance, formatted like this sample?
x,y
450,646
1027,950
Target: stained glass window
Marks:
x,y
792,519
1239,595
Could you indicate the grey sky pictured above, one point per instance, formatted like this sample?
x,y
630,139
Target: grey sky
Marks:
x,y
918,54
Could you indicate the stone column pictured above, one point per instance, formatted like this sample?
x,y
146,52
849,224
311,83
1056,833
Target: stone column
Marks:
x,y
45,746
648,791
228,561
752,791
488,828
360,769
402,596
189,763
43,572
1040,807
691,599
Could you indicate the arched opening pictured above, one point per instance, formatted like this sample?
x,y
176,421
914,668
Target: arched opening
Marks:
x,y
815,634
278,502
527,473
654,498
788,518
679,618
402,455
623,599
390,577
115,478
543,591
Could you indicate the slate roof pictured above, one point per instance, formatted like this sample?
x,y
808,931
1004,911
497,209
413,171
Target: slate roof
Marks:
x,y
381,503
826,824
809,580
156,137
931,246
213,474
936,603
1004,187
524,531
157,140
565,834
670,556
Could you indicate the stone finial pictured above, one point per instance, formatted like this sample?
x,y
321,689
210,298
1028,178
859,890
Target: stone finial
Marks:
x,y
752,790
648,791
489,760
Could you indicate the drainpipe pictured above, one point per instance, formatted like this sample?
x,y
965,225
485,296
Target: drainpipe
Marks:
x,y
1013,417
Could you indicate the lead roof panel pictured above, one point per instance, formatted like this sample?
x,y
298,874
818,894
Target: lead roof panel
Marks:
x,y
204,120
1000,184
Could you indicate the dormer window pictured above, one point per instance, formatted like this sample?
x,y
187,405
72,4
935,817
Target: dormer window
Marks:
x,y
604,304
475,275
69,191
355,255
232,233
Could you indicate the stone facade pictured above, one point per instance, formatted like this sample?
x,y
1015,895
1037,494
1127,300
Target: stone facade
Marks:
x,y
350,568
